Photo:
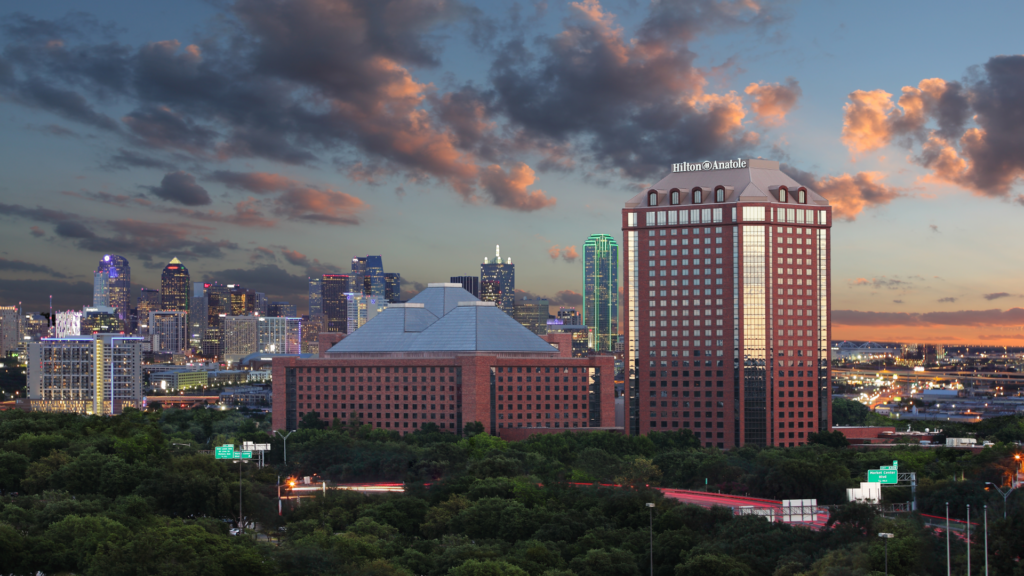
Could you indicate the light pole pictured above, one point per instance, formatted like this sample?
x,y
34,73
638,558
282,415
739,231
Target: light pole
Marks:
x,y
1003,494
948,571
278,432
650,507
885,536
968,540
240,525
986,539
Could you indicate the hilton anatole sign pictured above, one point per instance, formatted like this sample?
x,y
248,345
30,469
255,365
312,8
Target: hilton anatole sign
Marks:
x,y
709,165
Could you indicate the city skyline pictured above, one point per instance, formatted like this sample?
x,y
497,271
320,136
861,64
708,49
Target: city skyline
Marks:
x,y
901,148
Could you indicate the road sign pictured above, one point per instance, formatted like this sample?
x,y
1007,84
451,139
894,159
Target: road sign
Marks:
x,y
887,468
243,455
224,452
883,476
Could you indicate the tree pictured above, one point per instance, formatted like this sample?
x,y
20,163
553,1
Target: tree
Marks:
x,y
849,412
638,472
312,421
834,439
487,568
472,429
600,562
713,565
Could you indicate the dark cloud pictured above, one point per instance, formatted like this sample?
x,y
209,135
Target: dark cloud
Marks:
x,y
1011,317
34,294
20,266
161,127
125,159
247,213
897,301
312,267
270,279
69,104
509,188
566,298
53,130
948,299
72,229
411,288
848,195
181,188
297,201
112,199
970,133
996,295
37,232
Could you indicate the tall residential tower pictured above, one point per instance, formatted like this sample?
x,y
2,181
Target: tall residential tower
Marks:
x,y
727,305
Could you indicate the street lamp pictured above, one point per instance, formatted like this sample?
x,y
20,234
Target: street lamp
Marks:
x,y
650,506
278,432
886,536
1003,494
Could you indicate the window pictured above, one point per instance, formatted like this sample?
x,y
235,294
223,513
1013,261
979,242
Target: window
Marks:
x,y
698,196
719,194
801,196
674,197
652,198
782,194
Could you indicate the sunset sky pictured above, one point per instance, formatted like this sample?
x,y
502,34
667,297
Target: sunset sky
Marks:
x,y
262,141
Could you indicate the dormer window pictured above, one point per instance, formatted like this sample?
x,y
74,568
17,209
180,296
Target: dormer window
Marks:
x,y
698,196
719,194
652,199
801,196
673,198
783,194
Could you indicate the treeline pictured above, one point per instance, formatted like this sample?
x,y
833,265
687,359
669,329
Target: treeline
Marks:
x,y
132,495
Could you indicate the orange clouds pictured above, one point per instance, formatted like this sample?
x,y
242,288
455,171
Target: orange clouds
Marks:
x,y
865,121
297,201
967,325
849,195
773,101
569,253
509,189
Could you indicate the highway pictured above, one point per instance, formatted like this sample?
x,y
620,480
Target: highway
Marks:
x,y
709,499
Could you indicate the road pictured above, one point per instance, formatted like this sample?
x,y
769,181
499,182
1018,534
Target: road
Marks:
x,y
709,499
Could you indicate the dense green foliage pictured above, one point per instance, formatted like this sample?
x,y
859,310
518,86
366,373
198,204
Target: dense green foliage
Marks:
x,y
132,495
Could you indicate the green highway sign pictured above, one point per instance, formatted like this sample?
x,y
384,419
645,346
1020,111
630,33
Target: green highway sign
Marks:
x,y
226,452
243,455
883,476
887,468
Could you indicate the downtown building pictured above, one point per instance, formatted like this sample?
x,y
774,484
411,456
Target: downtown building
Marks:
x,y
112,285
447,358
175,285
601,290
98,374
727,311
498,282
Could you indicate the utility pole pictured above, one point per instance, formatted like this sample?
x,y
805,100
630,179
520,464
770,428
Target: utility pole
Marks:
x,y
885,536
650,508
968,540
986,539
240,525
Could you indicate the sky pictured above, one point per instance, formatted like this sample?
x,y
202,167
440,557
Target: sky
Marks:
x,y
264,141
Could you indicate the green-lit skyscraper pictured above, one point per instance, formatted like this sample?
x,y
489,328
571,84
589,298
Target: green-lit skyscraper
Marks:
x,y
601,290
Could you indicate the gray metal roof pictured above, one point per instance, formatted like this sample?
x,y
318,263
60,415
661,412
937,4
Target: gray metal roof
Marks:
x,y
443,318
751,184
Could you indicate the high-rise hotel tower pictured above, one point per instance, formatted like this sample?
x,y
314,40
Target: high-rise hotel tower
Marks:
x,y
727,308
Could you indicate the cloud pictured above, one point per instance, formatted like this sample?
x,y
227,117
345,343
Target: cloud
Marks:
x,y
261,253
21,266
569,253
881,283
34,294
566,298
246,214
112,199
181,188
37,232
995,317
297,200
848,195
934,228
313,267
270,279
773,101
509,189
554,251
125,159
968,133
996,296
411,288
897,301
161,127
948,299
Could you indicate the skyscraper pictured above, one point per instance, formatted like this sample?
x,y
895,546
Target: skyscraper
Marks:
x,y
149,301
281,310
315,297
601,290
533,314
279,335
374,283
261,304
243,300
9,329
100,297
99,374
198,315
504,272
174,287
168,331
218,306
393,287
727,288
357,277
241,337
335,302
470,284
116,275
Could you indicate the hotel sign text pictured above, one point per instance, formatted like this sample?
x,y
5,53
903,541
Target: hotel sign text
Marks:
x,y
709,165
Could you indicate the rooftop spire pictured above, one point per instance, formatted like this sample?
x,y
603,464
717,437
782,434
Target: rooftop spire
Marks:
x,y
174,261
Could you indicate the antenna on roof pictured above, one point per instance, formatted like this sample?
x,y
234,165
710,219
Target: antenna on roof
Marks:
x,y
497,251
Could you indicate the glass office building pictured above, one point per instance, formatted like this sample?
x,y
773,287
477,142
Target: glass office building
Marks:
x,y
601,290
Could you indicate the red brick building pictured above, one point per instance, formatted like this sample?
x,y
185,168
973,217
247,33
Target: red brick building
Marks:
x,y
446,357
728,314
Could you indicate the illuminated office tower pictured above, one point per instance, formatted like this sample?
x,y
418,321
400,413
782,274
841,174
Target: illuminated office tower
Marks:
x,y
101,320
490,291
357,277
99,374
241,337
335,302
9,329
100,297
393,287
174,287
361,309
218,306
117,275
312,326
279,335
69,323
168,331
261,304
149,301
316,298
281,310
569,316
197,315
470,284
504,272
728,318
243,300
533,314
374,283
601,290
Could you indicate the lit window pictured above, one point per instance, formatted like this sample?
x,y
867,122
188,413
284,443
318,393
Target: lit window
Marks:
x,y
782,194
801,196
